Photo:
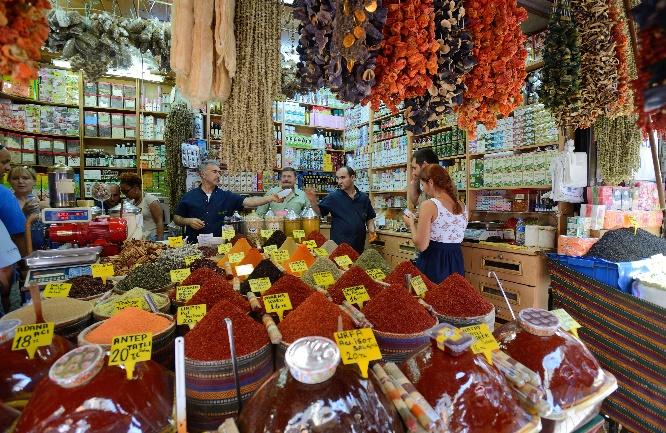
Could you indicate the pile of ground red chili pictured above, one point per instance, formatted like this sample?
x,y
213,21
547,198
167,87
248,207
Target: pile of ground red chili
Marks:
x,y
395,310
298,291
355,276
317,237
265,269
200,276
208,340
214,288
344,249
456,297
317,316
404,268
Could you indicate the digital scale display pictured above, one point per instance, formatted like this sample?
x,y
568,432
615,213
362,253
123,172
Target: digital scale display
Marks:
x,y
55,215
42,277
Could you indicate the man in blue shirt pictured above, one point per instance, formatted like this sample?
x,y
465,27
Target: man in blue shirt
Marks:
x,y
202,210
350,208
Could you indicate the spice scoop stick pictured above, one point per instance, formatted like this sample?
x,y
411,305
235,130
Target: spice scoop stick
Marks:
x,y
181,401
234,360
412,395
236,284
428,307
254,302
273,332
356,314
530,375
382,283
323,292
151,303
37,303
389,390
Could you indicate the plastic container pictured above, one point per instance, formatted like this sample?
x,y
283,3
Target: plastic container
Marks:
x,y
292,222
252,226
310,221
273,222
531,236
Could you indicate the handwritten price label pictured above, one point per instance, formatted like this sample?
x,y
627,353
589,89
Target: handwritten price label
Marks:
x,y
358,346
129,302
190,314
270,249
376,274
190,259
320,252
223,249
298,267
310,244
280,255
323,279
356,295
419,286
236,257
127,350
32,337
484,340
228,233
343,261
260,285
175,241
179,275
185,293
102,271
567,322
298,234
57,290
277,303
267,233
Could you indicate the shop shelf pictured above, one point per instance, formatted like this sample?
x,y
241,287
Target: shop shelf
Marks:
x,y
151,140
530,147
491,188
435,131
384,167
111,110
325,128
45,134
15,98
389,192
155,113
387,116
88,167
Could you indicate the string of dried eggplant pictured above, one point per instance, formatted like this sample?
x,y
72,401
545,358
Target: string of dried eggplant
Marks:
x,y
179,129
618,148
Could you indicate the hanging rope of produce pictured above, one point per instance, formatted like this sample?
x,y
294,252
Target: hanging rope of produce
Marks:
x,y
494,86
408,59
247,136
560,76
316,29
625,102
455,58
179,129
618,148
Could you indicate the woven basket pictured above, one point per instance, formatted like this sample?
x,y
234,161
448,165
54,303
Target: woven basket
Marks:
x,y
459,322
398,347
166,309
211,388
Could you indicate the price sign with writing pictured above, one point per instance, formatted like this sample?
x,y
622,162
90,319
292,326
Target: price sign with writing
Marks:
x,y
323,279
356,295
320,252
280,255
175,241
376,274
190,314
567,322
419,286
190,259
298,267
310,244
298,234
358,346
343,261
267,233
57,290
260,285
270,249
484,340
128,302
102,271
179,275
277,303
127,350
32,337
223,248
236,257
185,293
328,162
228,233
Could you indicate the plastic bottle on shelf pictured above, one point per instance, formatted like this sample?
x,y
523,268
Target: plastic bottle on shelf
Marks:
x,y
520,232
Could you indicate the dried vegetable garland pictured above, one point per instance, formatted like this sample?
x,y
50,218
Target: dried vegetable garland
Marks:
x,y
455,58
560,76
494,86
618,148
316,29
625,103
247,138
408,59
23,31
179,129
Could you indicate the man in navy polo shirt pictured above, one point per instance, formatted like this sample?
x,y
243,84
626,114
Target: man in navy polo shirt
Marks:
x,y
350,208
202,210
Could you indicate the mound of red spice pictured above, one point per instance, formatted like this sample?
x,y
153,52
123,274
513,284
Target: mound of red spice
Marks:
x,y
407,267
297,289
208,251
216,290
317,316
208,340
202,275
317,237
344,249
456,297
395,310
355,276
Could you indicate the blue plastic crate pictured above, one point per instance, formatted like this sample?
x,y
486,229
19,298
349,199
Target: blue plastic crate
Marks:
x,y
618,275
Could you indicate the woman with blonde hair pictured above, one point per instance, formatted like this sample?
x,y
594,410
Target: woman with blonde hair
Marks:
x,y
441,226
23,179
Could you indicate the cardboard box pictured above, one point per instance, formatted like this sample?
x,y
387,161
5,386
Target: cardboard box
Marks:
x,y
90,94
129,96
104,94
104,124
117,98
90,124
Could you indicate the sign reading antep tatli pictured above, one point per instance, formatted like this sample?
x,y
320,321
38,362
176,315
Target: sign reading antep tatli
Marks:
x,y
358,346
127,350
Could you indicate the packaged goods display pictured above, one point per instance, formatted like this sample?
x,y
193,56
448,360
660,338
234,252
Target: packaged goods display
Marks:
x,y
527,169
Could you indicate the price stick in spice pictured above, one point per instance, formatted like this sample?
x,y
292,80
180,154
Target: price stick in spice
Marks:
x,y
310,244
631,220
185,293
190,259
323,279
567,322
190,314
228,233
419,286
129,302
343,261
57,290
485,341
260,285
280,255
376,274
356,295
127,350
320,252
175,241
266,233
179,275
236,257
102,271
358,346
223,249
298,234
298,267
32,337
277,303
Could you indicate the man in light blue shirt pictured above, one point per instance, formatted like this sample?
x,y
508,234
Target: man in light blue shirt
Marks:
x,y
296,201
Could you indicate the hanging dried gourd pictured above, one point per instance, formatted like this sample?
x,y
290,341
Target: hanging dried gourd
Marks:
x,y
560,75
179,129
494,85
455,58
618,148
314,44
408,59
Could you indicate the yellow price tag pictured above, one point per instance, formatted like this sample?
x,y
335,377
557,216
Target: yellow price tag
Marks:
x,y
190,314
280,255
102,271
267,233
376,274
278,303
448,333
236,257
228,233
179,275
310,244
260,285
323,279
631,220
31,337
343,261
356,295
270,249
485,341
298,234
419,286
175,241
358,346
567,322
223,248
185,293
57,290
298,267
129,302
190,259
127,350
320,252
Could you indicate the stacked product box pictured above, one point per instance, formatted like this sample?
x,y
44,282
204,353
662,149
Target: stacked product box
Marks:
x,y
104,124
458,173
90,124
45,151
58,86
59,151
117,125
28,152
130,126
390,180
389,152
73,153
90,94
117,98
529,169
104,94
129,96
497,201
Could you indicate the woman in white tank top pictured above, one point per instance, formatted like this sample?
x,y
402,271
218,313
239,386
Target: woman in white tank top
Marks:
x,y
441,227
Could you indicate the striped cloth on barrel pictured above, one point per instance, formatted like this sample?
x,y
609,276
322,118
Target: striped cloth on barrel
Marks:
x,y
628,337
